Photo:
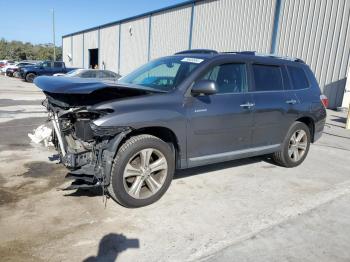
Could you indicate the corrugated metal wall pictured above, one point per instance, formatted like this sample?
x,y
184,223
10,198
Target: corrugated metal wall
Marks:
x,y
77,51
233,25
90,42
170,32
66,50
134,44
109,47
318,32
315,30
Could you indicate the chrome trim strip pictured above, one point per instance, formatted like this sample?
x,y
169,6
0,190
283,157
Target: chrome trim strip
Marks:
x,y
234,153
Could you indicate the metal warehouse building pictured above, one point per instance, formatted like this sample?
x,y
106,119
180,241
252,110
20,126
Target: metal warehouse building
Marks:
x,y
316,31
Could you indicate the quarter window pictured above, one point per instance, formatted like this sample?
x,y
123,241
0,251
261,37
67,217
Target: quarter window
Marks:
x,y
58,64
230,78
298,77
267,78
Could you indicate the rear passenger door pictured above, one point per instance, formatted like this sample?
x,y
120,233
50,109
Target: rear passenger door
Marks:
x,y
273,112
58,67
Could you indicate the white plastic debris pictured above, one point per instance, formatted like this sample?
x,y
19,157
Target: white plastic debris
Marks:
x,y
42,134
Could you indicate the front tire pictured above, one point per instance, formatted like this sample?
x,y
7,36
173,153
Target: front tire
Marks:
x,y
295,146
30,77
142,171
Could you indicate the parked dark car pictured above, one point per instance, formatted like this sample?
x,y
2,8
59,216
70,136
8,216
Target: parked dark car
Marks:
x,y
92,73
130,136
13,69
47,68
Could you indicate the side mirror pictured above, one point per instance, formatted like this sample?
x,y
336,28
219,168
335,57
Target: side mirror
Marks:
x,y
205,87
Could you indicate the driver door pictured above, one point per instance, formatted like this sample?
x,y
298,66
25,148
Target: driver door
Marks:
x,y
220,126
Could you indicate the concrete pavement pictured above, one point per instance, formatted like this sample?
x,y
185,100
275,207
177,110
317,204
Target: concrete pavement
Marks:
x,y
246,210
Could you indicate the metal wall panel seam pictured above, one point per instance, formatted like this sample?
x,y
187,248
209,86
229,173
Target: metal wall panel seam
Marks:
x,y
346,48
120,37
276,26
98,48
83,51
327,50
338,25
317,36
300,29
314,27
307,29
71,50
342,34
149,36
191,26
322,42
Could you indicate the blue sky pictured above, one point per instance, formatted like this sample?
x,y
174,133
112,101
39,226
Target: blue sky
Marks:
x,y
30,21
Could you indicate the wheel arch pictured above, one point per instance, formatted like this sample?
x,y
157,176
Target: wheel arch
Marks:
x,y
310,122
163,133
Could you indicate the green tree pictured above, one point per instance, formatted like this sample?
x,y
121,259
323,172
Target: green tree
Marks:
x,y
17,50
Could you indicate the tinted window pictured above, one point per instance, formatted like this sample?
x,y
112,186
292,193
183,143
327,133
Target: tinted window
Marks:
x,y
267,78
47,64
58,64
88,74
298,77
230,78
286,80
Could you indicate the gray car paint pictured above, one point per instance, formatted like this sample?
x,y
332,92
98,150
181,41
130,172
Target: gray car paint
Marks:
x,y
215,125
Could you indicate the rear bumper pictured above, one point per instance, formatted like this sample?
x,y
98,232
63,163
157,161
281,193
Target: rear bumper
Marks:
x,y
319,126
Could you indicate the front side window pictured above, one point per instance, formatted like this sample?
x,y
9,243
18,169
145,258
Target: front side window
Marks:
x,y
267,78
163,74
230,78
46,64
298,77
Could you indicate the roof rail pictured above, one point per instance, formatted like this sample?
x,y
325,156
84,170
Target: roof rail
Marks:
x,y
254,53
197,51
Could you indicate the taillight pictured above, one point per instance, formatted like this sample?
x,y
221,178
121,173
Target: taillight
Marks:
x,y
324,101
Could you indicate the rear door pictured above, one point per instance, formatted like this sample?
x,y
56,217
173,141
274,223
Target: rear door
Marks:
x,y
58,67
220,125
273,114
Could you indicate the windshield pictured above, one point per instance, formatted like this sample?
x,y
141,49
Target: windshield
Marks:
x,y
163,74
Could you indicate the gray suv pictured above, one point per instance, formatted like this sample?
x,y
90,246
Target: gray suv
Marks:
x,y
194,108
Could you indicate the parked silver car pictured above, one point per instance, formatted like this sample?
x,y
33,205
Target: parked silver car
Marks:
x,y
92,73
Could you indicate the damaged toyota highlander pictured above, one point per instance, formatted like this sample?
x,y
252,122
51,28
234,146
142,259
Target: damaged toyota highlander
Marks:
x,y
193,108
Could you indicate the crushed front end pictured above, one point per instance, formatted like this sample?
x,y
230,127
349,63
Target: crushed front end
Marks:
x,y
84,148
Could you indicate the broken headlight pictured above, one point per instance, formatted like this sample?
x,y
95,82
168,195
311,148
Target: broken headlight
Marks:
x,y
103,131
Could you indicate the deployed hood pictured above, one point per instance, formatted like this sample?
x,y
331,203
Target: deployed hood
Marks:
x,y
72,92
76,85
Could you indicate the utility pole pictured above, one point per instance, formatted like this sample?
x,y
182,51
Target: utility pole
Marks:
x,y
53,34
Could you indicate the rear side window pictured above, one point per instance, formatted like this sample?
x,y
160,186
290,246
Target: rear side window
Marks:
x,y
298,77
58,64
230,78
267,78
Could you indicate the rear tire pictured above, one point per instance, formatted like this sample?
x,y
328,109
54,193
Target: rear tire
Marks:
x,y
142,171
30,77
295,146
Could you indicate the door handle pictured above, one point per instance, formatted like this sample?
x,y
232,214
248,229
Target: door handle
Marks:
x,y
248,105
291,102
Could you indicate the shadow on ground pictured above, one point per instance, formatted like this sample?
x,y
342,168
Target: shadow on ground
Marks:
x,y
111,245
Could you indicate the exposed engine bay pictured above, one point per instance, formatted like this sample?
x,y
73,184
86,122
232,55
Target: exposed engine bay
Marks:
x,y
86,149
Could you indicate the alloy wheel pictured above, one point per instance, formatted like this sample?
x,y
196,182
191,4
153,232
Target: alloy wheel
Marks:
x,y
145,173
297,145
